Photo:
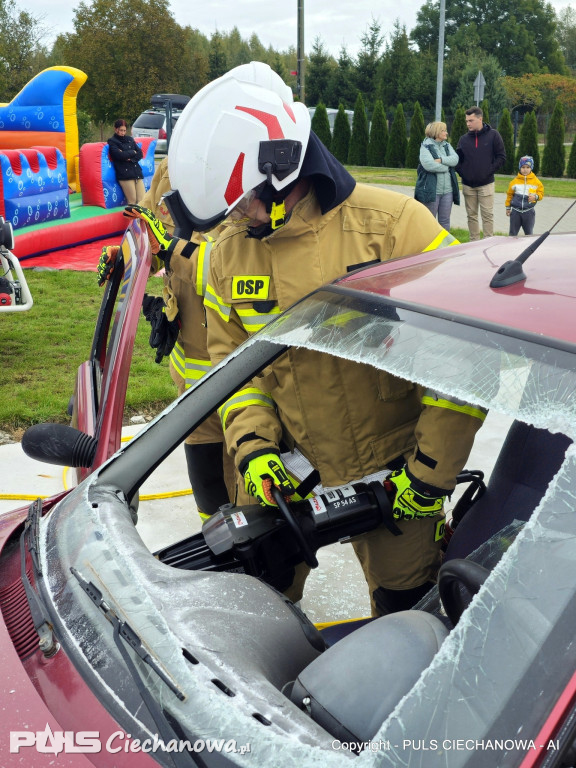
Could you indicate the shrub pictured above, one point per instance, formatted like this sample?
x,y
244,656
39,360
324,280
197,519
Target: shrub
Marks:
x,y
378,136
341,135
528,141
321,125
458,127
416,137
571,170
358,152
554,156
86,128
397,141
506,130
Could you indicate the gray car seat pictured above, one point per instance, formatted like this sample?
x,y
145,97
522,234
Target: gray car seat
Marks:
x,y
353,686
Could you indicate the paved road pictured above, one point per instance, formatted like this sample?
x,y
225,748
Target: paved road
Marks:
x,y
548,211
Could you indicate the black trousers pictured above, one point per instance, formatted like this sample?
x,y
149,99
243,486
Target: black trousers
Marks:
x,y
525,220
206,473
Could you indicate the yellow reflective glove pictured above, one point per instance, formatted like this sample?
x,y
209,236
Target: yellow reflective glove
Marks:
x,y
412,500
161,241
261,471
107,262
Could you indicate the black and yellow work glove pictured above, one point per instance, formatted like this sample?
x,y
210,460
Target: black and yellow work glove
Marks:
x,y
261,471
162,243
107,262
412,499
164,332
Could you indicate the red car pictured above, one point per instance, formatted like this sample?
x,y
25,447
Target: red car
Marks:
x,y
116,656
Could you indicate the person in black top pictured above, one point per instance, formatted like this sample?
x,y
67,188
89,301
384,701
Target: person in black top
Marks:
x,y
481,152
125,154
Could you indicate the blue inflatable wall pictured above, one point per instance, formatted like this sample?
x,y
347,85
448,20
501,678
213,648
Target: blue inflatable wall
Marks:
x,y
33,186
98,178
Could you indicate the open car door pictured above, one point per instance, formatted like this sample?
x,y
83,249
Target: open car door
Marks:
x,y
97,407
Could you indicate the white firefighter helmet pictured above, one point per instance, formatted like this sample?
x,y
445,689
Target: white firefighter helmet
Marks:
x,y
258,73
238,132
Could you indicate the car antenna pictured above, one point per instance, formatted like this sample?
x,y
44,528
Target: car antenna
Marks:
x,y
511,272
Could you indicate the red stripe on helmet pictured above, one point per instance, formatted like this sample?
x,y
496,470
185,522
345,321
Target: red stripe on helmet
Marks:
x,y
269,120
290,111
234,189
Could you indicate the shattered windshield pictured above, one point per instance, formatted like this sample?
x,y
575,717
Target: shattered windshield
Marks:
x,y
479,366
221,638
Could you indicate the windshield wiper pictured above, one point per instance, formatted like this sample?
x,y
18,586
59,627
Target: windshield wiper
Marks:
x,y
125,635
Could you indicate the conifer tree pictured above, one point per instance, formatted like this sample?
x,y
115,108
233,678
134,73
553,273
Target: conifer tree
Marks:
x,y
397,141
321,125
458,126
506,130
528,141
554,155
341,135
485,111
416,137
571,169
378,136
358,151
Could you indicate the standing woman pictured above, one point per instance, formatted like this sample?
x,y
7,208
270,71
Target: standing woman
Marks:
x,y
125,154
437,185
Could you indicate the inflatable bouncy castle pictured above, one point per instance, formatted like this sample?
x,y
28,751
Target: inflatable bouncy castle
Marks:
x,y
41,165
98,178
98,215
44,114
33,186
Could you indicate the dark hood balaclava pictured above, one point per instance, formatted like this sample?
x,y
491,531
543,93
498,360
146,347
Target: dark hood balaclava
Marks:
x,y
332,182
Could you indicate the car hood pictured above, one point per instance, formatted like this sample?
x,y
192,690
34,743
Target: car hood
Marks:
x,y
439,281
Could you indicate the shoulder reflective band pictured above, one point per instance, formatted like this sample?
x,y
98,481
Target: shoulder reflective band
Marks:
x,y
250,287
203,266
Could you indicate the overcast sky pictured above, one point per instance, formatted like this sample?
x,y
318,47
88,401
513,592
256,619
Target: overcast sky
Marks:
x,y
274,23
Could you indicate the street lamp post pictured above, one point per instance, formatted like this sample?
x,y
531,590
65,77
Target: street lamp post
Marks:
x,y
440,68
300,73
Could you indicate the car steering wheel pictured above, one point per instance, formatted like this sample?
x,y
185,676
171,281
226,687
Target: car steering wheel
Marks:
x,y
458,581
309,556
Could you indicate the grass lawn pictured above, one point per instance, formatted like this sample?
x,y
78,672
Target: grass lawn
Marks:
x,y
41,349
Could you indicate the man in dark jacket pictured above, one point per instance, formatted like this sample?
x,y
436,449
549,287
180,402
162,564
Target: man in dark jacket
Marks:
x,y
481,152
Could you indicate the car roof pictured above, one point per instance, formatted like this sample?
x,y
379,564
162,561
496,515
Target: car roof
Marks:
x,y
455,282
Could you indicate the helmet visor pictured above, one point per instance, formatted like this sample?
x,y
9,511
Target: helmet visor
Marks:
x,y
240,213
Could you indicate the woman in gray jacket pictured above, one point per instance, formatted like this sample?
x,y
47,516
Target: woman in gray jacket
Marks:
x,y
437,185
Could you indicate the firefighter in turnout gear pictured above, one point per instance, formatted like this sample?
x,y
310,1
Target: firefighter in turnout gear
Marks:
x,y
179,321
297,221
179,331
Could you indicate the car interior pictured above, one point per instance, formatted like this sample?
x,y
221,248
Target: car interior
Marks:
x,y
405,642
528,460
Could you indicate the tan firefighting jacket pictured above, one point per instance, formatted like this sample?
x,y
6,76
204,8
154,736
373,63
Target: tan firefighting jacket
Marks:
x,y
348,419
184,291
